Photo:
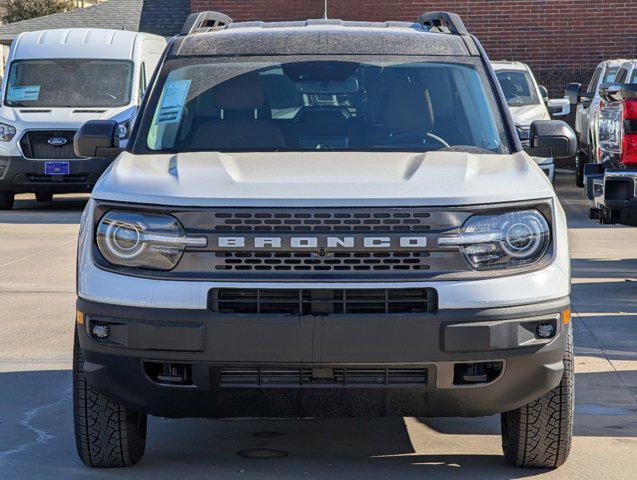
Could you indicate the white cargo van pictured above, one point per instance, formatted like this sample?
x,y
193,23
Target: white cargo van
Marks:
x,y
55,81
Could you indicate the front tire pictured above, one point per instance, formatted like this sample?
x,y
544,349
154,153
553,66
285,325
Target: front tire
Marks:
x,y
539,435
7,200
107,434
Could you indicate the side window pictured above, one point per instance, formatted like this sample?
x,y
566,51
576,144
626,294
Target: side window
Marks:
x,y
143,81
621,75
592,86
633,77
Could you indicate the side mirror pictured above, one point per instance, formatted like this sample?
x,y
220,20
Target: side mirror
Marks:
x,y
544,92
97,138
554,137
572,93
559,107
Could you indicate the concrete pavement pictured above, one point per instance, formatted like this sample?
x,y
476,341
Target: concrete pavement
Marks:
x,y
37,262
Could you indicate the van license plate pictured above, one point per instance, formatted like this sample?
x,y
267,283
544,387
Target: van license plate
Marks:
x,y
56,168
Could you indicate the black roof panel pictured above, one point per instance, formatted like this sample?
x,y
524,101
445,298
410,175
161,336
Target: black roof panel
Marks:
x,y
333,37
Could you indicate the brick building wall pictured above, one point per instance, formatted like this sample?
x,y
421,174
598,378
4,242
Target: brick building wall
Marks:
x,y
562,40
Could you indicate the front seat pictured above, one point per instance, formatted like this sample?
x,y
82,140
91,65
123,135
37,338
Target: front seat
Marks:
x,y
407,115
239,99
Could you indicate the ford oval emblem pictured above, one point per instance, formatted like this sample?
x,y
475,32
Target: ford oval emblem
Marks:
x,y
58,142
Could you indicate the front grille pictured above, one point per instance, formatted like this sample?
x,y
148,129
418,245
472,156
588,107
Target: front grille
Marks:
x,y
321,263
254,301
322,377
308,262
35,145
323,220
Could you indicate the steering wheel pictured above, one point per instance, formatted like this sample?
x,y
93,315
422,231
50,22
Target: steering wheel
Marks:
x,y
111,96
416,137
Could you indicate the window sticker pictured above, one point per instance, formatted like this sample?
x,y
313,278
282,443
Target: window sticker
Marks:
x,y
173,102
23,94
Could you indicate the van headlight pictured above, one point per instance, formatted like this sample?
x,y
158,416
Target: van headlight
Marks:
x,y
7,132
132,239
503,240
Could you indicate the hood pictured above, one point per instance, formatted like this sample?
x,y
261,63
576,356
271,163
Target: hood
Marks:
x,y
61,118
529,113
322,179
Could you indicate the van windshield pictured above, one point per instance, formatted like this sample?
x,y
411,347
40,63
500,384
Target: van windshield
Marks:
x,y
318,103
518,88
69,83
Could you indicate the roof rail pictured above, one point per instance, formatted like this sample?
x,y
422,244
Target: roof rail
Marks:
x,y
205,21
443,22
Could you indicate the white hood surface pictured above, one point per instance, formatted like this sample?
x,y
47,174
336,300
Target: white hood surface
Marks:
x,y
322,179
60,118
529,113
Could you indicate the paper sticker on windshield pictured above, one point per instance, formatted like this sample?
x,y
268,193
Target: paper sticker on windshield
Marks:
x,y
173,102
23,94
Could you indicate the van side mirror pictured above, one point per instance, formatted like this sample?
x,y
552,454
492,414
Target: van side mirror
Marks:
x,y
573,92
559,107
97,138
552,138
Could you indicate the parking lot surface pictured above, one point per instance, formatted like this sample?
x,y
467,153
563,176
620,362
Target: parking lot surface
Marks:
x,y
37,295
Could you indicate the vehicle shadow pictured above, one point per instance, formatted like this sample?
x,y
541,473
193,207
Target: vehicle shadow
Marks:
x,y
64,209
36,441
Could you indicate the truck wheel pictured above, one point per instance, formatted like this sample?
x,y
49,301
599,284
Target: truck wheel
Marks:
x,y
44,197
107,434
539,434
6,200
579,170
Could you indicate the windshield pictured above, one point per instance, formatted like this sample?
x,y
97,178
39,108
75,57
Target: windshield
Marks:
x,y
321,104
610,74
69,83
518,87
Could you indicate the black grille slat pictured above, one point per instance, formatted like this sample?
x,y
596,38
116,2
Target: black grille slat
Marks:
x,y
35,145
338,377
395,260
327,221
322,302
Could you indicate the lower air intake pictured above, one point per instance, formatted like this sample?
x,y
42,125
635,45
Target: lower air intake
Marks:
x,y
322,302
285,377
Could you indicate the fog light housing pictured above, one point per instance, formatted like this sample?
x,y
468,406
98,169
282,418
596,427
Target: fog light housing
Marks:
x,y
545,330
101,331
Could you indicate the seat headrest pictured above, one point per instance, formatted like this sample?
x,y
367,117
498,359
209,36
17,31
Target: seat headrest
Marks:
x,y
508,87
407,110
244,92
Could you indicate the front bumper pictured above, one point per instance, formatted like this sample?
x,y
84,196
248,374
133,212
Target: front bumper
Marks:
x,y
210,344
22,175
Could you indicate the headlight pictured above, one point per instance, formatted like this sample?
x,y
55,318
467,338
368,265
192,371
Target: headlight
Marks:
x,y
143,240
506,240
7,132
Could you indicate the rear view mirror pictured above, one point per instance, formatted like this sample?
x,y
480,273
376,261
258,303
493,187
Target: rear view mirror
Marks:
x,y
552,138
97,138
572,93
559,107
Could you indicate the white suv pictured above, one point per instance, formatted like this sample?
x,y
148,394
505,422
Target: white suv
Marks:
x,y
528,102
318,219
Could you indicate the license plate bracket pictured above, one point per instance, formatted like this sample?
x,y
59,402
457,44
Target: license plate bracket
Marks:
x,y
57,168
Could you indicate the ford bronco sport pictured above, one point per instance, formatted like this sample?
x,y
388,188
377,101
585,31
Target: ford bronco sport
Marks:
x,y
323,218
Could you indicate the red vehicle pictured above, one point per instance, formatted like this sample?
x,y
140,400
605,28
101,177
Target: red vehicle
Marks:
x,y
612,184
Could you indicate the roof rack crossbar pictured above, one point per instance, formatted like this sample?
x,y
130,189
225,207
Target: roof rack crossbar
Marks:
x,y
443,22
204,21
